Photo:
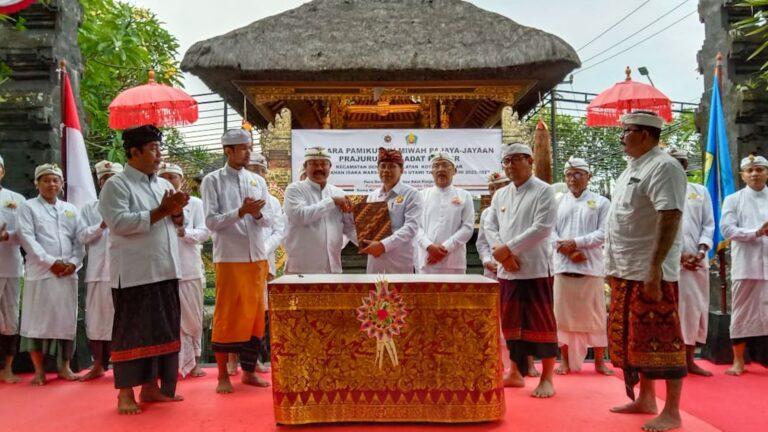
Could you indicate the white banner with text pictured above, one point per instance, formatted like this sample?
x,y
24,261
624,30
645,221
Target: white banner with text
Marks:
x,y
354,154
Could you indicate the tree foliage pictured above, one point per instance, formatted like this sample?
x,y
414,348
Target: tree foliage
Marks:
x,y
602,149
119,43
755,28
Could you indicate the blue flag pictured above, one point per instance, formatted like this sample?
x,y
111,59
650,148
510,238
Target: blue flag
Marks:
x,y
718,175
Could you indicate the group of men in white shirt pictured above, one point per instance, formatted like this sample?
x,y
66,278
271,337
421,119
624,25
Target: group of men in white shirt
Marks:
x,y
144,237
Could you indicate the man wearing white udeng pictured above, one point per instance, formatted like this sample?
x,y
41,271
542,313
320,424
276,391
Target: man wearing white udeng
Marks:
x,y
578,258
319,215
447,221
745,223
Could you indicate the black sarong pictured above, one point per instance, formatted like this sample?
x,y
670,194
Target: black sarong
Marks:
x,y
9,345
528,319
146,335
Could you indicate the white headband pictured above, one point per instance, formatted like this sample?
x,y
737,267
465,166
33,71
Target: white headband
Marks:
x,y
235,137
577,163
316,153
643,119
438,155
753,160
515,148
46,169
106,167
170,168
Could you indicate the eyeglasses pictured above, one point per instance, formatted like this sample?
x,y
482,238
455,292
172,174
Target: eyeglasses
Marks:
x,y
515,158
626,132
442,165
575,175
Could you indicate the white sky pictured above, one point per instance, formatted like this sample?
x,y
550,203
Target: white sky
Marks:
x,y
670,56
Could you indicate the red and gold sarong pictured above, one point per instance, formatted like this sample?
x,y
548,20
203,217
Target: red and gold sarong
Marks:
x,y
644,336
239,313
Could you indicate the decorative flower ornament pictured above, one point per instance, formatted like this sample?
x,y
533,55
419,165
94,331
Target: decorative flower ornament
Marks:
x,y
383,316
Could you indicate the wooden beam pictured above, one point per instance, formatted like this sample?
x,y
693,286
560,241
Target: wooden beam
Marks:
x,y
304,115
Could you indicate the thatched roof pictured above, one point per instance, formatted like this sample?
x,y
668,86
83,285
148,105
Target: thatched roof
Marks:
x,y
382,40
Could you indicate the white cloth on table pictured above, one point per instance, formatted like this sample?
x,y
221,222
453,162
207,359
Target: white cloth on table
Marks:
x,y
191,301
315,228
693,287
744,212
49,308
523,218
191,245
749,310
48,232
96,240
447,219
581,219
236,239
99,311
11,264
405,207
140,252
9,306
652,183
274,235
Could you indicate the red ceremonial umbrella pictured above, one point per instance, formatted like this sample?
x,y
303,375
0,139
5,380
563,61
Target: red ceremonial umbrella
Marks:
x,y
607,108
154,104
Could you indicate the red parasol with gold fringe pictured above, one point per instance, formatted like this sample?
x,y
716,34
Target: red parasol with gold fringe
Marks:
x,y
624,97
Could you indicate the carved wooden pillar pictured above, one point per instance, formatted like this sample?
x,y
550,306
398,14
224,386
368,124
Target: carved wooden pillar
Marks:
x,y
512,129
276,146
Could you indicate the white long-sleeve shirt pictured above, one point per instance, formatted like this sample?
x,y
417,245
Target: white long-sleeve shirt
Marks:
x,y
744,212
483,247
523,218
698,219
11,263
96,240
405,206
140,252
275,234
315,229
652,183
190,246
236,239
447,219
48,232
581,219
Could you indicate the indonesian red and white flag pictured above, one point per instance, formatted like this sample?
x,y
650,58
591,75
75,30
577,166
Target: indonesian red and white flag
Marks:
x,y
77,169
8,7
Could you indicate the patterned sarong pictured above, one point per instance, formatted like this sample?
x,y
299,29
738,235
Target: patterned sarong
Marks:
x,y
644,336
528,319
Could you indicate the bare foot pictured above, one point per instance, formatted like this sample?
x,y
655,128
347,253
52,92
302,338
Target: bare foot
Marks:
x,y
224,386
249,378
68,375
545,389
93,374
261,368
9,378
197,372
532,371
38,380
515,380
153,394
698,370
603,369
663,422
126,404
563,369
637,407
735,370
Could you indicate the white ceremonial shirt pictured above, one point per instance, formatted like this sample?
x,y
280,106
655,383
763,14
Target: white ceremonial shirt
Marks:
x,y
698,219
522,218
96,240
581,219
447,219
48,232
236,239
744,212
275,234
405,206
11,264
190,246
483,247
651,183
140,252
316,228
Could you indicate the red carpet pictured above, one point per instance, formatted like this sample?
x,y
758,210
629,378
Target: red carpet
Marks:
x,y
720,403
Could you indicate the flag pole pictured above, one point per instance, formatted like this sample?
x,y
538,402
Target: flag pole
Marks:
x,y
62,128
721,251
